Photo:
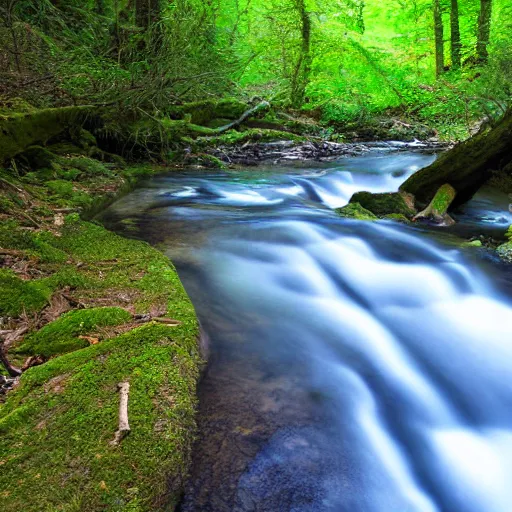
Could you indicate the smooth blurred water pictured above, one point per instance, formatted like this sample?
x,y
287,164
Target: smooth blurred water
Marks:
x,y
354,366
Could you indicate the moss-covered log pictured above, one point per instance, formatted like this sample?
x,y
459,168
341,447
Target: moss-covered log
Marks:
x,y
437,210
19,131
466,167
203,112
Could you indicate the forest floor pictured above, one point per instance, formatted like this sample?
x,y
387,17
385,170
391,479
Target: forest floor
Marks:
x,y
83,310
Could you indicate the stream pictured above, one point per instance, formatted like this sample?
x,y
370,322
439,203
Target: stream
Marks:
x,y
354,366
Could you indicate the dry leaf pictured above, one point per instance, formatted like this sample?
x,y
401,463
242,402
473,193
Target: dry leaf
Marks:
x,y
90,339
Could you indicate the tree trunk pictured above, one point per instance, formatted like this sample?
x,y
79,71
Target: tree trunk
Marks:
x,y
439,38
466,167
300,78
455,35
484,30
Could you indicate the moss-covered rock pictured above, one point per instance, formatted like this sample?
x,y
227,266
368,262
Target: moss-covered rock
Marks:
x,y
384,204
355,211
397,217
505,252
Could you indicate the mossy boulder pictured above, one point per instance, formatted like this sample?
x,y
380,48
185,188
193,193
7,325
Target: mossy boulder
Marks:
x,y
505,252
473,243
384,204
56,426
355,211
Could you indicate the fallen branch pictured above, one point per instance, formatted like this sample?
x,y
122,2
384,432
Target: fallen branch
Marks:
x,y
124,426
264,105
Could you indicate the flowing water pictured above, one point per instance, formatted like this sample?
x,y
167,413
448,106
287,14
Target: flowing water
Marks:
x,y
354,366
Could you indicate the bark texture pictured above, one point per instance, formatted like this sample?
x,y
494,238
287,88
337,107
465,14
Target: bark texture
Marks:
x,y
455,35
484,31
300,78
439,37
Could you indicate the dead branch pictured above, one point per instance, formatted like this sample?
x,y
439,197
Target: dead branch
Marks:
x,y
124,426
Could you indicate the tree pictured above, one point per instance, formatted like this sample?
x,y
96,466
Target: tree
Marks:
x,y
484,31
439,38
455,35
300,77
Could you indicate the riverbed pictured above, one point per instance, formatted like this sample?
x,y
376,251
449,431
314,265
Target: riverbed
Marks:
x,y
353,366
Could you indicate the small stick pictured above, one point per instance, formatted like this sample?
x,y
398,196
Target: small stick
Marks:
x,y
124,426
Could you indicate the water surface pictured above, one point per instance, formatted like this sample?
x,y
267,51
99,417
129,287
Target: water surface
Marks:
x,y
354,366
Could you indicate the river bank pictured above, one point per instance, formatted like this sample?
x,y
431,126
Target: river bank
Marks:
x,y
82,310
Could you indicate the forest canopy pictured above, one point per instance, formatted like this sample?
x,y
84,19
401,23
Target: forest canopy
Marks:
x,y
445,62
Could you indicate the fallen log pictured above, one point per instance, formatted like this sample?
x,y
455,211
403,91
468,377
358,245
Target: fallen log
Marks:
x,y
19,131
124,426
466,167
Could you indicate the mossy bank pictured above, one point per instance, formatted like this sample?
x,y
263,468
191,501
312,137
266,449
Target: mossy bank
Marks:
x,y
93,309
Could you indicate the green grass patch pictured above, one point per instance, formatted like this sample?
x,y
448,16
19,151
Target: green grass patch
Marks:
x,y
62,335
18,296
56,427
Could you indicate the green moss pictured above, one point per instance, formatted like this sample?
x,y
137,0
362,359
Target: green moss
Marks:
x,y
19,131
88,166
383,204
18,296
398,217
36,245
234,137
202,112
62,335
60,187
473,243
505,252
56,426
443,199
508,234
355,211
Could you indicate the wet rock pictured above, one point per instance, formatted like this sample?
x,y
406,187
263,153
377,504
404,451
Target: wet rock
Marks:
x,y
505,252
288,150
384,204
355,211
